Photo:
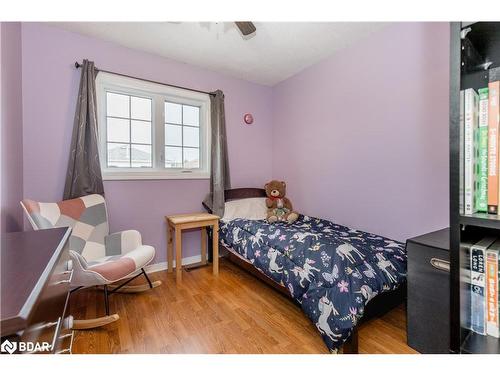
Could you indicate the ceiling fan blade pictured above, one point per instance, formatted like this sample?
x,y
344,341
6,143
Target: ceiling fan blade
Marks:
x,y
246,28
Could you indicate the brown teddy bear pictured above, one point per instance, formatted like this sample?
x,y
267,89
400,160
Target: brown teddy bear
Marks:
x,y
279,207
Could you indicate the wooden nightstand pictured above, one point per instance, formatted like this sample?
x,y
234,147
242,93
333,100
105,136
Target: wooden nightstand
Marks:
x,y
188,221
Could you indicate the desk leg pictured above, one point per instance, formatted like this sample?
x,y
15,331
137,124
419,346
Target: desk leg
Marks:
x,y
215,246
204,245
170,249
178,254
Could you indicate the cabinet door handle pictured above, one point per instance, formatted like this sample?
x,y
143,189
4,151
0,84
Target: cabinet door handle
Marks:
x,y
440,264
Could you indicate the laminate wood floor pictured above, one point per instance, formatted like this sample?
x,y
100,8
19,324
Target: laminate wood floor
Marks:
x,y
231,313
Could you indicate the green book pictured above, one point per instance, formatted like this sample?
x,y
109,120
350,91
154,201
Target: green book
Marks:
x,y
481,191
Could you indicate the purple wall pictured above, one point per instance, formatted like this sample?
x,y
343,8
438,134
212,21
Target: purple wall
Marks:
x,y
12,122
50,85
362,137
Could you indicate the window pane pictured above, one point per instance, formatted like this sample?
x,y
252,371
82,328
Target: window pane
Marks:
x,y
173,157
191,136
141,132
173,135
190,115
141,156
173,113
118,130
117,105
140,108
118,155
191,158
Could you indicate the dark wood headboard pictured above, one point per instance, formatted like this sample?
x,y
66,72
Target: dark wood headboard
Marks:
x,y
240,193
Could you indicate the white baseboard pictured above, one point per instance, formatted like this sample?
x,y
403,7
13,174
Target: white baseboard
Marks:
x,y
162,266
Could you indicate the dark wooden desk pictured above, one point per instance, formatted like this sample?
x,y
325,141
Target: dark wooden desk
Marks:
x,y
36,273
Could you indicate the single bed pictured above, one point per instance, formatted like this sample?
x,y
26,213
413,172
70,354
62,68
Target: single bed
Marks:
x,y
338,275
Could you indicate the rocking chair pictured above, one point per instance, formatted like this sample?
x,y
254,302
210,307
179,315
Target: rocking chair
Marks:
x,y
99,258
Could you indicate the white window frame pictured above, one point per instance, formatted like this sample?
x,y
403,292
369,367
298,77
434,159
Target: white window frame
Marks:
x,y
107,82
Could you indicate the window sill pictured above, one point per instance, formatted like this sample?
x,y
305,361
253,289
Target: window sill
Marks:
x,y
123,176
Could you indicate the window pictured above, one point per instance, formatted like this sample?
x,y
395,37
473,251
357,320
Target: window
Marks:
x,y
151,131
128,131
182,136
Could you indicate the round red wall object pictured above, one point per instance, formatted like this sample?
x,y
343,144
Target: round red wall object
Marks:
x,y
248,118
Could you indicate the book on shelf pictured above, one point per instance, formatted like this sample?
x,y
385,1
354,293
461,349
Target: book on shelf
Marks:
x,y
494,74
465,279
493,128
492,306
471,100
481,154
479,150
478,284
461,155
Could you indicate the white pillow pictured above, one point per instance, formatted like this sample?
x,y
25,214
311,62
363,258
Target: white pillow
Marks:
x,y
248,208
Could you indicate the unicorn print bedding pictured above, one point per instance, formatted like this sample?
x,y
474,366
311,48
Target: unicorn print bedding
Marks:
x,y
332,271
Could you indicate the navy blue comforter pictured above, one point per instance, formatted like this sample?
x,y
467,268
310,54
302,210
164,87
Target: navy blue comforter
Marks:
x,y
331,270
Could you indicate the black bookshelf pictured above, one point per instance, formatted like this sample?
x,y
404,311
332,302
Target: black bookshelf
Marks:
x,y
481,220
474,344
474,53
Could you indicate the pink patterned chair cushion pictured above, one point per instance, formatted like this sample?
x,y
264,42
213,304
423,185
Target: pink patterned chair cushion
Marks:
x,y
87,216
116,267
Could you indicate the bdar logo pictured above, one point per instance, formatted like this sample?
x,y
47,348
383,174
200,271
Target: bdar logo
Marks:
x,y
8,347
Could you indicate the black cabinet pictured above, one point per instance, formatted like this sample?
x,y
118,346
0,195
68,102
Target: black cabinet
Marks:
x,y
429,292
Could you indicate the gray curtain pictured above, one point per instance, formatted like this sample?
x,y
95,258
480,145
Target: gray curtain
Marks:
x,y
84,170
219,162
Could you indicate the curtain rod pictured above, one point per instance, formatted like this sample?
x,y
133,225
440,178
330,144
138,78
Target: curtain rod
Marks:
x,y
78,65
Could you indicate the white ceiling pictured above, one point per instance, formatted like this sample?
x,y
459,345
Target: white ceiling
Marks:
x,y
277,50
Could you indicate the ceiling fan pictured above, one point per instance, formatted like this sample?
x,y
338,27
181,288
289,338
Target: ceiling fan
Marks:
x,y
246,28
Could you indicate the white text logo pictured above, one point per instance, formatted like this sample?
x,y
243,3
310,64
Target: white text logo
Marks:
x,y
8,347
28,346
